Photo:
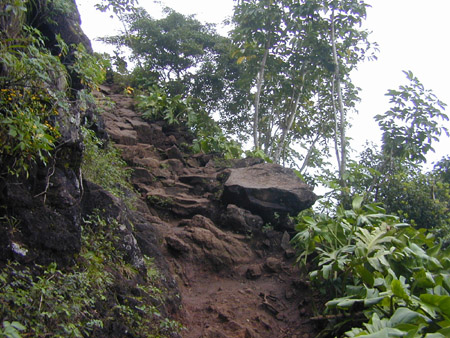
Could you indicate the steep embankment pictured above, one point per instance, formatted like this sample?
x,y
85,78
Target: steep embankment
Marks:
x,y
235,276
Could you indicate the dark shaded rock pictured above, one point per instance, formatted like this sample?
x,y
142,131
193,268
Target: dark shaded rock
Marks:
x,y
265,189
175,165
174,153
289,294
41,216
289,253
179,203
201,183
285,241
142,176
241,220
247,162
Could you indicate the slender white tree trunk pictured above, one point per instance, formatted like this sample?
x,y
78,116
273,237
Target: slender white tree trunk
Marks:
x,y
339,109
259,85
288,127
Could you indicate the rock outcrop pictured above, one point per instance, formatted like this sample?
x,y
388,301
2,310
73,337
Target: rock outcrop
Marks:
x,y
265,189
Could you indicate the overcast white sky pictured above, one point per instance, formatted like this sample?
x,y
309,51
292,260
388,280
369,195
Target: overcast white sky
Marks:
x,y
412,35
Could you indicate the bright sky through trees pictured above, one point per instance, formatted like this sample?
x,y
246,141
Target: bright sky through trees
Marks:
x,y
412,35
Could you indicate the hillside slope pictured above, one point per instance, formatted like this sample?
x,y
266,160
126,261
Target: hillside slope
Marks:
x,y
233,282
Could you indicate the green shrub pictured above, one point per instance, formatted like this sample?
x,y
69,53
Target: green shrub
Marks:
x,y
395,276
81,300
103,165
208,136
29,101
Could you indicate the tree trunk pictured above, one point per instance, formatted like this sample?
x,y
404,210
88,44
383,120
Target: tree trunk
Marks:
x,y
288,127
342,154
259,84
308,155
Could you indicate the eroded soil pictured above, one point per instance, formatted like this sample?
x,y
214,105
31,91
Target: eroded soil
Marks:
x,y
232,283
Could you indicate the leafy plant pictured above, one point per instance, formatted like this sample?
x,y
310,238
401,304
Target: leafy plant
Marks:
x,y
412,124
90,68
103,165
12,330
209,138
29,101
376,266
86,298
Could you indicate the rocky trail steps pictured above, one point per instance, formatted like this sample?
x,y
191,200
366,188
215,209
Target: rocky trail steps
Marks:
x,y
234,278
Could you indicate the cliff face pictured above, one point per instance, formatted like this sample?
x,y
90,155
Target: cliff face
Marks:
x,y
46,204
217,230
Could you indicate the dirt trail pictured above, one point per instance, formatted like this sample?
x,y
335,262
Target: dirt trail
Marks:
x,y
231,284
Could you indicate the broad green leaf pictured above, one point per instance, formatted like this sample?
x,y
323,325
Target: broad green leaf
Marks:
x,y
445,331
441,302
399,290
357,201
365,275
368,302
386,332
346,304
403,315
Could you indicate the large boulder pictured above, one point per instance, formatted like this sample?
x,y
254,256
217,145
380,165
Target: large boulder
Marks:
x,y
267,188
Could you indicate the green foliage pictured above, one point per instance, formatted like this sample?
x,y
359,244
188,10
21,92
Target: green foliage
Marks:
x,y
116,6
35,90
442,169
213,140
412,124
158,104
29,102
285,52
103,165
84,299
259,154
397,276
209,138
91,69
11,330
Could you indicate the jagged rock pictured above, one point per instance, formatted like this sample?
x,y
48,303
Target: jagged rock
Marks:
x,y
177,245
209,244
241,220
285,241
178,202
254,272
201,183
122,136
174,153
265,189
44,217
289,253
213,333
273,264
247,162
175,165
